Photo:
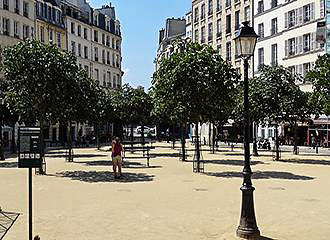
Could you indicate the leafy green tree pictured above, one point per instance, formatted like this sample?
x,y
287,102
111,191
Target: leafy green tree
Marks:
x,y
319,76
275,98
193,85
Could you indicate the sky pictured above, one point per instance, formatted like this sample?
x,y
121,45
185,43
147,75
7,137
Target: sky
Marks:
x,y
141,21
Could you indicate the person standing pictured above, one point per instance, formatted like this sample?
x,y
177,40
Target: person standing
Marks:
x,y
117,149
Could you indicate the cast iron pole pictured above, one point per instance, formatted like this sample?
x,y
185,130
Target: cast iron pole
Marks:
x,y
247,228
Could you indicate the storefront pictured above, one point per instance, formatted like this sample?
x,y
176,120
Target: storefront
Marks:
x,y
319,132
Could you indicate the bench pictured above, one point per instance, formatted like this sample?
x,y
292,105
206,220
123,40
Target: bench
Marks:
x,y
143,149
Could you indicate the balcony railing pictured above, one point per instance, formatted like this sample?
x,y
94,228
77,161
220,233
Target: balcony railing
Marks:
x,y
307,49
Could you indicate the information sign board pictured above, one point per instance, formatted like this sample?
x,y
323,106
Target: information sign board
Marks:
x,y
29,147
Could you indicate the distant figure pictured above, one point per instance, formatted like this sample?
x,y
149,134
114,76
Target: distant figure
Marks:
x,y
117,149
36,237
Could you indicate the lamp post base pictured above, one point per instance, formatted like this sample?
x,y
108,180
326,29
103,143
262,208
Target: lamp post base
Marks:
x,y
250,234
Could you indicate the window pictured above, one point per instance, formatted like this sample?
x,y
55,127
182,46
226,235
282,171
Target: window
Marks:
x,y
291,18
108,41
307,42
85,33
260,6
219,6
210,37
85,52
196,36
113,43
50,35
210,12
237,23
42,34
219,29
247,13
103,39
86,69
228,3
103,56
273,29
274,55
108,57
96,54
72,28
260,57
291,46
96,37
26,32
109,79
25,9
274,3
306,68
59,40
79,49
17,6
73,47
203,12
97,74
228,51
5,5
203,34
219,49
261,30
196,15
79,30
228,24
16,29
270,132
307,13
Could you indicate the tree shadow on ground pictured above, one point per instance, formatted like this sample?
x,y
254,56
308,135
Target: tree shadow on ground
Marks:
x,y
104,176
127,164
261,175
306,161
232,162
242,154
174,155
266,238
8,164
75,155
95,163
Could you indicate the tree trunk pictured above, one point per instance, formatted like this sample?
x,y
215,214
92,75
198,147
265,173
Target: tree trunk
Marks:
x,y
2,155
295,146
183,141
42,143
277,144
173,136
70,157
13,143
213,139
98,136
210,134
198,156
255,148
142,134
132,138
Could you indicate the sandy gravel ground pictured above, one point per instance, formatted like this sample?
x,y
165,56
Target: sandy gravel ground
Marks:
x,y
81,200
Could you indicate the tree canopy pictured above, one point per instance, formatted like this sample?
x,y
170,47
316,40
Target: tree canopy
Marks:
x,y
320,78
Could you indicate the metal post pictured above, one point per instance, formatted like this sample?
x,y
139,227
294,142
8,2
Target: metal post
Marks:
x,y
247,228
30,203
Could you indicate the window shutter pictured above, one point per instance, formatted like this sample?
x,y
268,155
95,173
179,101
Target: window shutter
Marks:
x,y
312,11
296,50
300,66
300,44
300,15
286,48
312,41
321,8
286,20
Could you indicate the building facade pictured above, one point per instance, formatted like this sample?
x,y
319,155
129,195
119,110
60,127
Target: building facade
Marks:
x,y
50,28
287,33
175,28
17,21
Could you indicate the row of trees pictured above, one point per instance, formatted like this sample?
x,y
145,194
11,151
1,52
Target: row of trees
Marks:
x,y
43,85
195,85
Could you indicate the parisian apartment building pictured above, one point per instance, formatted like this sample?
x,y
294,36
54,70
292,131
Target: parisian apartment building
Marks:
x,y
93,35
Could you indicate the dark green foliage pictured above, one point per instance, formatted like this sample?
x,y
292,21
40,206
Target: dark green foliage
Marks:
x,y
320,78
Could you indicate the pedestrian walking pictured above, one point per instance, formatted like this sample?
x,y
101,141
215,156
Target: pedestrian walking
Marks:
x,y
117,149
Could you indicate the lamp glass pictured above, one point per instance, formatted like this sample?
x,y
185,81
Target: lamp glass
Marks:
x,y
245,46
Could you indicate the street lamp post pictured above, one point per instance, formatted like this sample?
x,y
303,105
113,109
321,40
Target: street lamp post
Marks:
x,y
245,44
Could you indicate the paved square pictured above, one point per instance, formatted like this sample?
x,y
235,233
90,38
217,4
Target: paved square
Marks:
x,y
81,200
